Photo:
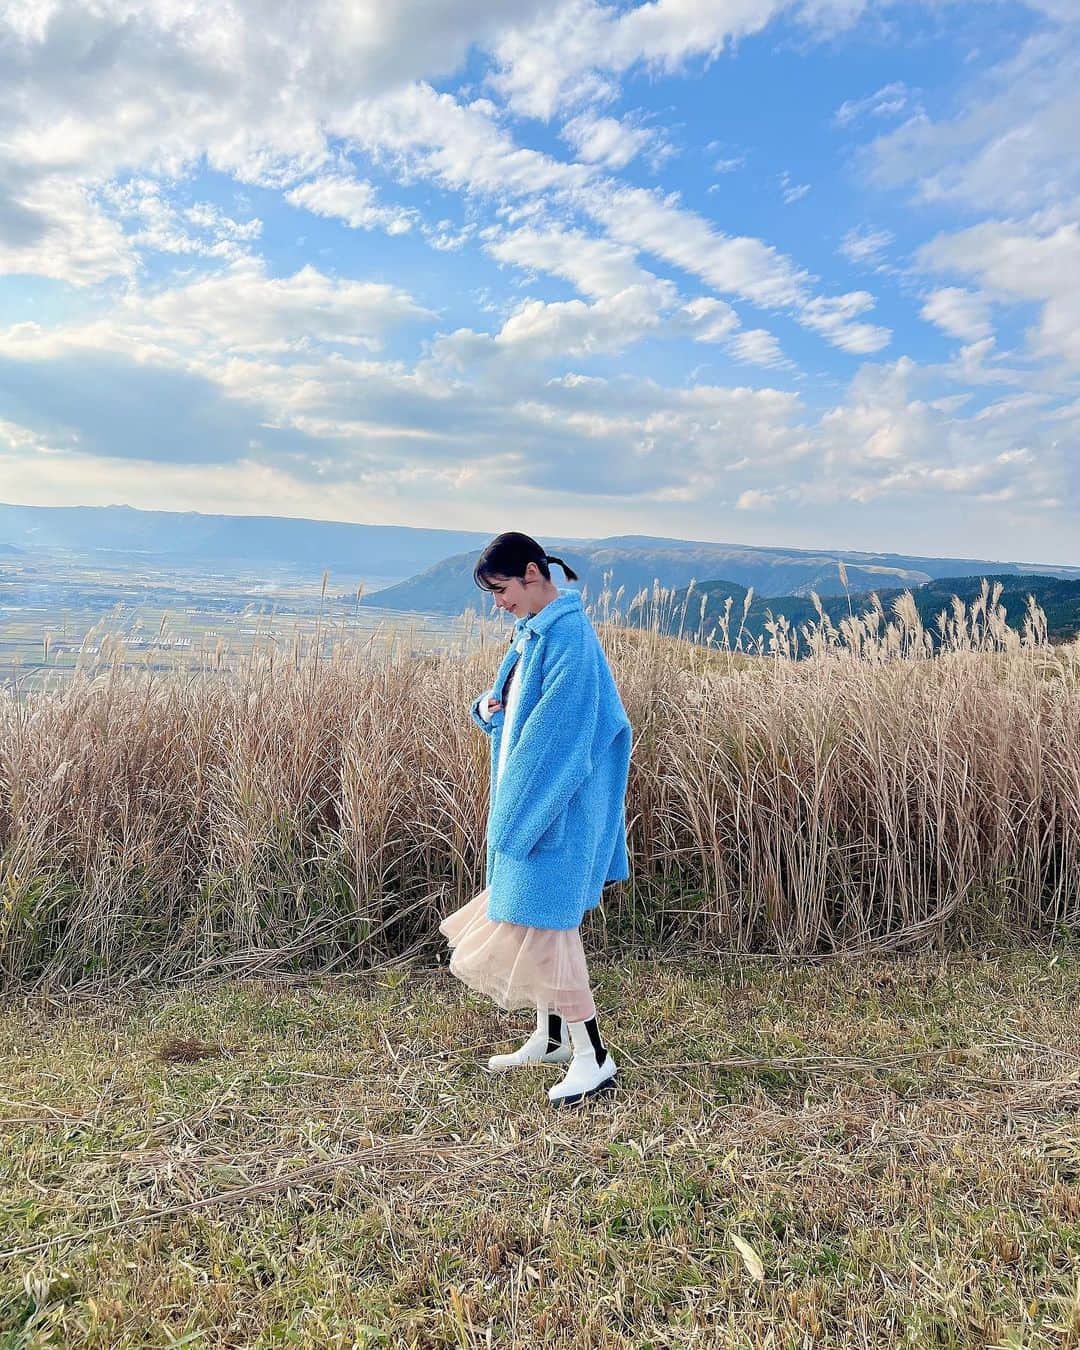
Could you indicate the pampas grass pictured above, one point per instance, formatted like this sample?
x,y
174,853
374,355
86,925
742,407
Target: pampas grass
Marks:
x,y
324,807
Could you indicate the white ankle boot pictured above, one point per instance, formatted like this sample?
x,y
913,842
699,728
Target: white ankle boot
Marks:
x,y
592,1069
550,1031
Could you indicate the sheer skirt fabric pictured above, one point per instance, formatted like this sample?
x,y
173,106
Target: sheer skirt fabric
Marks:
x,y
519,966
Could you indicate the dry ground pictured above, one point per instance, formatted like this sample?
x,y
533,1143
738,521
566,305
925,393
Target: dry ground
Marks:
x,y
862,1153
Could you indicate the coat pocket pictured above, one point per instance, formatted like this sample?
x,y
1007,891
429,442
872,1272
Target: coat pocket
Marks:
x,y
552,838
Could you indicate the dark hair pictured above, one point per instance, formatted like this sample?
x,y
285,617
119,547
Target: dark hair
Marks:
x,y
509,554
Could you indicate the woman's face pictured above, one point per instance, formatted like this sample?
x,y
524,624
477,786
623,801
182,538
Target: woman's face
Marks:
x,y
513,593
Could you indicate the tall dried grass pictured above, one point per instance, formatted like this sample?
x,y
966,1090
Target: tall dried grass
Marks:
x,y
326,808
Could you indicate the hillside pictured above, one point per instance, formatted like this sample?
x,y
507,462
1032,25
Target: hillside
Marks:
x,y
1059,599
448,588
189,537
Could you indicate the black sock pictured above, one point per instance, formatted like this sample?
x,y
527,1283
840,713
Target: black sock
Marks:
x,y
554,1031
597,1043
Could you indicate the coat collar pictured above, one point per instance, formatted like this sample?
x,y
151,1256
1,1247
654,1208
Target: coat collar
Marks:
x,y
540,622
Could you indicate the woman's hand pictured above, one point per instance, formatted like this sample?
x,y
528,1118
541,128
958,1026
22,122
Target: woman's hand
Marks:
x,y
487,705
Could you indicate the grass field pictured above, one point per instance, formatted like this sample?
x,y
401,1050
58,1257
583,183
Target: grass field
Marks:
x,y
853,1153
41,651
61,611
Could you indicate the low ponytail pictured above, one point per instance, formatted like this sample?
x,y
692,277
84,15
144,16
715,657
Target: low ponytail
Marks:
x,y
571,575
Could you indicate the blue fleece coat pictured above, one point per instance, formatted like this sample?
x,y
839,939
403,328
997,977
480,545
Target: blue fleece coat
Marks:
x,y
557,814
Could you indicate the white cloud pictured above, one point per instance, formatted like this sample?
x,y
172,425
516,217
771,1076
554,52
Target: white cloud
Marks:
x,y
865,245
980,363
888,101
201,230
656,224
254,369
884,441
833,317
241,310
459,146
93,92
754,500
553,65
757,346
610,141
1022,262
745,267
463,148
605,269
249,311
539,331
446,237
1012,148
707,319
243,390
667,33
276,371
792,192
596,267
961,314
1007,407
569,56
642,305
352,200
167,93
156,83
52,228
880,422
609,272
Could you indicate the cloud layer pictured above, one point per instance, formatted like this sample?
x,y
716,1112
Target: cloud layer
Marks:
x,y
338,260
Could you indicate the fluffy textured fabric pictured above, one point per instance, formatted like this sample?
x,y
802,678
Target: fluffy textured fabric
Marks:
x,y
557,811
512,703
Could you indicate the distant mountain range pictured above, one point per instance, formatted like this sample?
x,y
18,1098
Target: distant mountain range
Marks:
x,y
635,562
190,536
1059,599
437,564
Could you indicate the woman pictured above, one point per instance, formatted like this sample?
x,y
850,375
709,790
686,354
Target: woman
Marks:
x,y
556,830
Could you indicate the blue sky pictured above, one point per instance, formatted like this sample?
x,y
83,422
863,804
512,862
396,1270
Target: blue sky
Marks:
x,y
758,271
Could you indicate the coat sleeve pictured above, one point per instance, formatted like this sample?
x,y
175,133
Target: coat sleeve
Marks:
x,y
477,709
553,753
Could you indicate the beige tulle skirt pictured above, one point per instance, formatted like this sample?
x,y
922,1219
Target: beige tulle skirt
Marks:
x,y
518,966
